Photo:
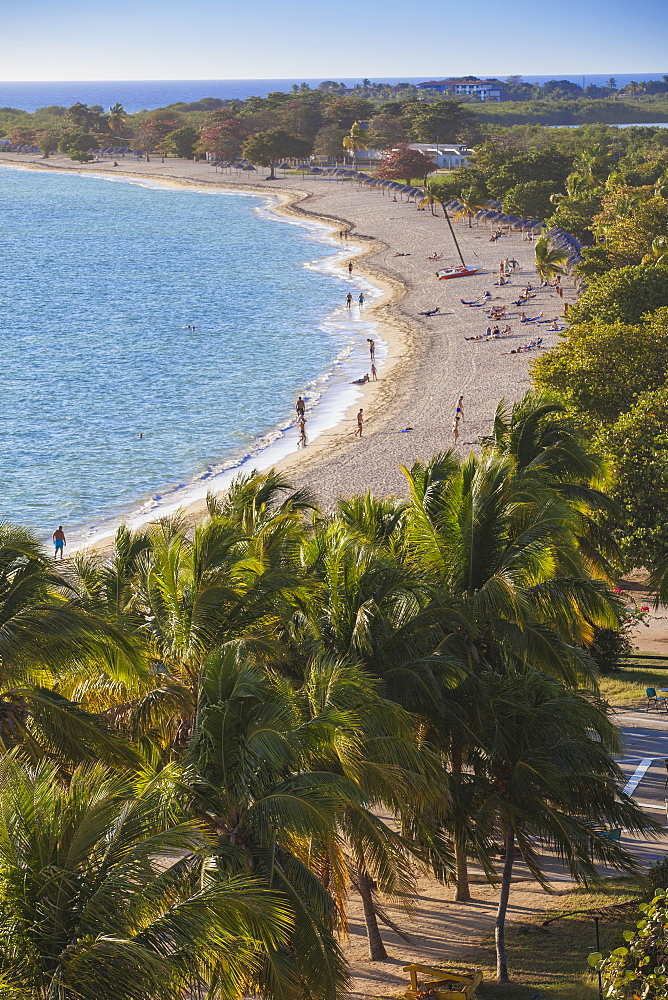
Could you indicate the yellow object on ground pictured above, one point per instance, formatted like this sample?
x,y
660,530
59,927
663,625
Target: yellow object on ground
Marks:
x,y
443,986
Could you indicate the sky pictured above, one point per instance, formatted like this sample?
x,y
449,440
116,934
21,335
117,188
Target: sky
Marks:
x,y
326,39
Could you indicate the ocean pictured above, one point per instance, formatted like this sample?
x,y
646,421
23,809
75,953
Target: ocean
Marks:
x,y
141,95
101,280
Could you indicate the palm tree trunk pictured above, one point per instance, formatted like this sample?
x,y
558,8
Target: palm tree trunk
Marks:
x,y
500,925
462,893
377,951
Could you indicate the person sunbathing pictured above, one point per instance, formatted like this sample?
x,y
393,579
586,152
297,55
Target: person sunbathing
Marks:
x,y
361,381
436,256
430,312
402,255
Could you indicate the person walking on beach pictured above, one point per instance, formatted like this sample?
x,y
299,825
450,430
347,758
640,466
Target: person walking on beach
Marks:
x,y
300,406
372,348
459,412
455,429
59,542
360,423
350,267
374,374
301,423
349,300
361,300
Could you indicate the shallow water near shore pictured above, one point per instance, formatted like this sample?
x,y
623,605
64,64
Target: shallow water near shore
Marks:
x,y
100,284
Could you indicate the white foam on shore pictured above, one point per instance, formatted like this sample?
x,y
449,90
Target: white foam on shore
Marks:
x,y
328,396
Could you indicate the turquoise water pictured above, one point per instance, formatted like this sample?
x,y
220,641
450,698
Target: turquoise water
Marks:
x,y
99,282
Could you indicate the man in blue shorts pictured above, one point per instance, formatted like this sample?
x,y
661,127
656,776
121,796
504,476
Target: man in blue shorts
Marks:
x,y
59,541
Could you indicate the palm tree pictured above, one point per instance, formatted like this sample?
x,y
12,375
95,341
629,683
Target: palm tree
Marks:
x,y
498,548
472,201
100,893
45,632
117,118
354,141
546,754
549,263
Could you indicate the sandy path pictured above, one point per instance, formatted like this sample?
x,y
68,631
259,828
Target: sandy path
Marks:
x,y
430,361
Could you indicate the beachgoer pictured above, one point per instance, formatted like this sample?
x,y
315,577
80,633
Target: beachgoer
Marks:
x,y
360,299
349,300
455,428
141,435
301,423
372,348
300,406
360,423
350,267
374,374
59,542
361,381
460,407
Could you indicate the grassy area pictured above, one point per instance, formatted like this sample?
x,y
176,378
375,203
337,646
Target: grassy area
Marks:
x,y
551,962
626,687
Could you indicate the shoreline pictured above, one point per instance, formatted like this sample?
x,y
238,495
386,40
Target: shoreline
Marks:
x,y
428,364
280,204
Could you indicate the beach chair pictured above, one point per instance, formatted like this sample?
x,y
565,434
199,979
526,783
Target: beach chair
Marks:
x,y
653,699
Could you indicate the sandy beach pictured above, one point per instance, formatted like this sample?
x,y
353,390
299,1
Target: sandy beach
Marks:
x,y
430,363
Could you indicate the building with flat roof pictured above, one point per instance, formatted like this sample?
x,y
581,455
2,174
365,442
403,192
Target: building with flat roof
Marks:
x,y
466,86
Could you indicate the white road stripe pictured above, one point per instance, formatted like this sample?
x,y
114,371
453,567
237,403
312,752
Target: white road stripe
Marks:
x,y
637,775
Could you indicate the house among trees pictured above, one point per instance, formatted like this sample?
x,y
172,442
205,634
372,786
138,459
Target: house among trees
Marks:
x,y
467,86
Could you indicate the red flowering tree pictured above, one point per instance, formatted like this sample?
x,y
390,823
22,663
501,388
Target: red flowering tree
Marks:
x,y
152,131
23,137
224,138
404,163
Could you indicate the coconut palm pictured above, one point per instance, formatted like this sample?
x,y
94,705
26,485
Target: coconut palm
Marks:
x,y
117,118
354,141
549,263
105,892
542,438
45,632
286,775
552,783
472,201
498,549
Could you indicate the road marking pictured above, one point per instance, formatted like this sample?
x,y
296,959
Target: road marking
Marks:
x,y
637,776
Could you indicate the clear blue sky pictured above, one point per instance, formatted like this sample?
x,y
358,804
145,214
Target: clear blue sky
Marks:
x,y
218,39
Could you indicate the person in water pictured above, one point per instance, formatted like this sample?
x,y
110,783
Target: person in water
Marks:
x,y
59,542
372,348
300,406
349,300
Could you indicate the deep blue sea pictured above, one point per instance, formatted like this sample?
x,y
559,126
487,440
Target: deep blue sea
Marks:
x,y
148,94
101,280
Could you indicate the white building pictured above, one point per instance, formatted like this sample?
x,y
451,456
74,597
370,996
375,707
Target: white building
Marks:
x,y
447,157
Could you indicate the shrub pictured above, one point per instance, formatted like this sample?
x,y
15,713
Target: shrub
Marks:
x,y
625,294
530,199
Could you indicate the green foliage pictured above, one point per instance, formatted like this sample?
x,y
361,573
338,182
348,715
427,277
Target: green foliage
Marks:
x,y
624,294
266,148
601,368
443,121
86,910
609,648
181,142
546,165
78,142
657,876
637,445
639,967
529,199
